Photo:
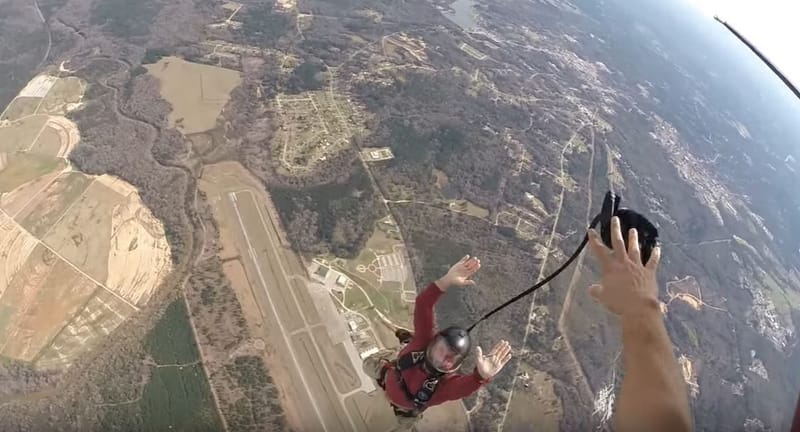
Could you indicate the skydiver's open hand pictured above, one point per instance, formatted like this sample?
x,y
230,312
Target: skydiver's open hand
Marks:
x,y
626,286
460,273
490,365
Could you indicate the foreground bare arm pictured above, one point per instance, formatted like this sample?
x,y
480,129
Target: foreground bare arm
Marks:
x,y
653,395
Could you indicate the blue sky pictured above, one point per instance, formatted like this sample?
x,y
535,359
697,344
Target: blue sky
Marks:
x,y
771,25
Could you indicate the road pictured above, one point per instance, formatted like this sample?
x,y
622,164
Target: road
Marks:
x,y
562,319
49,34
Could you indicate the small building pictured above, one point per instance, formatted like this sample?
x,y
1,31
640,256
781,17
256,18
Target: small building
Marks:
x,y
375,154
369,352
341,280
353,326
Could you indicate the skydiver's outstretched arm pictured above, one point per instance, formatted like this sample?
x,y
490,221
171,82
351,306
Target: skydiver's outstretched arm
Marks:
x,y
458,275
653,395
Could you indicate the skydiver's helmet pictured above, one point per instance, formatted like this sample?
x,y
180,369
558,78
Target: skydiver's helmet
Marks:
x,y
448,349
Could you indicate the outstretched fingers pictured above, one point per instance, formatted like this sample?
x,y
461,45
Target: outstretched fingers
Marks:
x,y
503,354
634,253
655,258
617,242
600,251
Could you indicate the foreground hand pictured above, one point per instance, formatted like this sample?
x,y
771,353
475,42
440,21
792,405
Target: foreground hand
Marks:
x,y
490,365
460,273
626,286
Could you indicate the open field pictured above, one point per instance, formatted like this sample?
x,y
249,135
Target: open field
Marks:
x,y
196,91
83,234
58,138
21,107
17,246
18,199
20,168
311,363
50,204
18,135
43,294
468,207
535,404
63,97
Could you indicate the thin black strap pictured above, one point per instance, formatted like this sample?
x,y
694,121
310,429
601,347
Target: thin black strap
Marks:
x,y
538,285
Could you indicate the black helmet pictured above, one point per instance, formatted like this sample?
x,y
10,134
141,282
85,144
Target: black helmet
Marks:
x,y
455,342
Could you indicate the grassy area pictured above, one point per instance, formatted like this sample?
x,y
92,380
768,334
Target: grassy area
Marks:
x,y
691,333
354,299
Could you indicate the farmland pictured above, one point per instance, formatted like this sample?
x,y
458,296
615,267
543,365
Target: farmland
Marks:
x,y
86,253
194,111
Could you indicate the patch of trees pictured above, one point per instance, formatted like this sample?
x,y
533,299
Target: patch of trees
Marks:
x,y
153,55
309,75
18,378
124,18
260,409
336,217
262,25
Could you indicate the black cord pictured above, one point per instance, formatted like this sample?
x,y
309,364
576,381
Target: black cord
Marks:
x,y
542,283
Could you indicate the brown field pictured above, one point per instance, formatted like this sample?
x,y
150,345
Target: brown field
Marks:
x,y
42,296
197,92
83,234
48,143
20,168
17,246
21,107
49,205
19,135
139,257
537,404
65,93
17,200
103,313
447,417
58,138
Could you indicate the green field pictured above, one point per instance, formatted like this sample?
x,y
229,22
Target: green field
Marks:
x,y
176,397
354,299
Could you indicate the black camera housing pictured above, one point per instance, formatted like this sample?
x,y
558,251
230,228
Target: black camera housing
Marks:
x,y
648,234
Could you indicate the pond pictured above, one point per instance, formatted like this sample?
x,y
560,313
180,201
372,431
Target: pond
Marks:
x,y
463,14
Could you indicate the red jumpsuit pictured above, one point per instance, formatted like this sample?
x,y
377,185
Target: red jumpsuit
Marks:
x,y
452,386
